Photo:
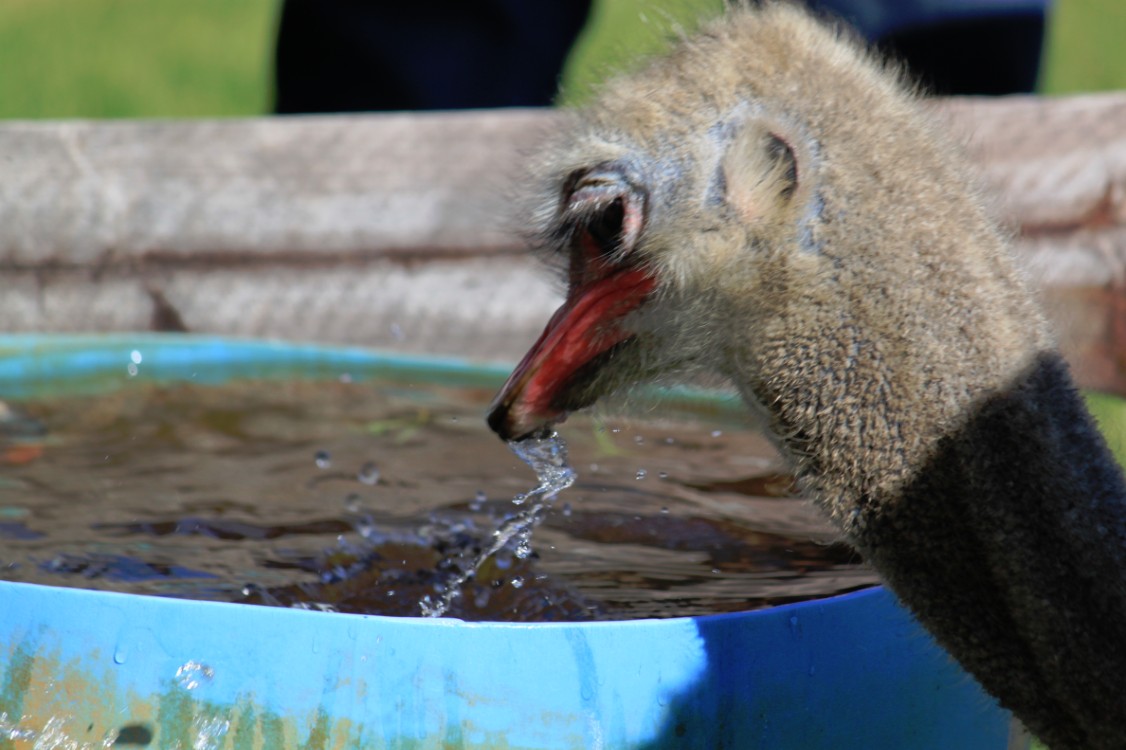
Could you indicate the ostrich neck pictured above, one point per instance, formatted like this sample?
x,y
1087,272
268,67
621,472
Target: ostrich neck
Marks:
x,y
1007,538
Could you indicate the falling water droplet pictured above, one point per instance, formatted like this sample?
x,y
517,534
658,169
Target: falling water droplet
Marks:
x,y
193,674
717,433
478,501
135,359
517,581
641,474
523,549
322,459
368,473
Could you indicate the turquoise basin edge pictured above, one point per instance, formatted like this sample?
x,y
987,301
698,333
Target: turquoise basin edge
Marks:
x,y
853,671
33,365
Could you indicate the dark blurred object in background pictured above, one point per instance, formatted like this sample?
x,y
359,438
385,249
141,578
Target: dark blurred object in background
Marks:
x,y
371,55
954,47
374,55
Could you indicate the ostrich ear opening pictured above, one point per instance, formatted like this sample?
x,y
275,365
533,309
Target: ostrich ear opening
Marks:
x,y
760,173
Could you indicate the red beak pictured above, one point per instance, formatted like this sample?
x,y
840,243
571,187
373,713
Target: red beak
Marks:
x,y
586,326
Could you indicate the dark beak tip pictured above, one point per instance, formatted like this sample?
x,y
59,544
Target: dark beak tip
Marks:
x,y
501,422
497,420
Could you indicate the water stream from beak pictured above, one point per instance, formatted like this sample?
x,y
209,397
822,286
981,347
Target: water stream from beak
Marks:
x,y
547,456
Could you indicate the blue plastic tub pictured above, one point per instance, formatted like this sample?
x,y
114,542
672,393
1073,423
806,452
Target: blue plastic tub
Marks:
x,y
84,667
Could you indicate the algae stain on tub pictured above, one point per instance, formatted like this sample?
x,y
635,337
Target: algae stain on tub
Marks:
x,y
13,687
49,703
38,693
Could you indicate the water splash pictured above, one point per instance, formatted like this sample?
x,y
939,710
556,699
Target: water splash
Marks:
x,y
192,674
368,474
135,359
547,456
52,736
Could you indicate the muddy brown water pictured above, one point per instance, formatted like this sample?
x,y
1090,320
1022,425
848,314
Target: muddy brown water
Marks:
x,y
357,497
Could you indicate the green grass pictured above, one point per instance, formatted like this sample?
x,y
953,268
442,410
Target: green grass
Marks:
x,y
212,58
622,31
1085,50
1110,414
134,58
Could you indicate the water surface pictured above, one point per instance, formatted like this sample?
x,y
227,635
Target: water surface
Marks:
x,y
369,497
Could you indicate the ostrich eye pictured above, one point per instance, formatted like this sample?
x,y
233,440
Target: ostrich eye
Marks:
x,y
604,227
603,212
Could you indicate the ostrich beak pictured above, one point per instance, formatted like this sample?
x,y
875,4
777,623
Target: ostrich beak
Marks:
x,y
580,337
